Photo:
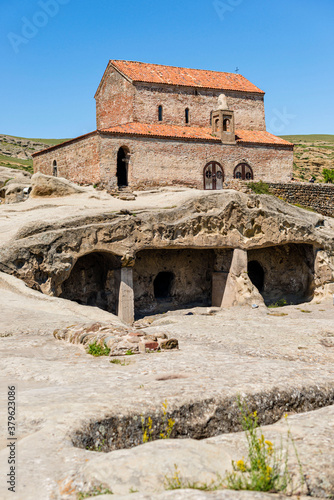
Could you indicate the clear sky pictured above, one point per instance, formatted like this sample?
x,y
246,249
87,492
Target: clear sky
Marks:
x,y
54,53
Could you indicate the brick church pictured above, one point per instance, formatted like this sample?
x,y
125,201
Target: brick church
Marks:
x,y
162,125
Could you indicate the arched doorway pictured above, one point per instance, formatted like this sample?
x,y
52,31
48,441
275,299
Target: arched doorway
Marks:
x,y
122,167
256,274
213,175
243,172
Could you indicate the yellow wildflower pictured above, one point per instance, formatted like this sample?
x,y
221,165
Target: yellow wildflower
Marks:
x,y
241,465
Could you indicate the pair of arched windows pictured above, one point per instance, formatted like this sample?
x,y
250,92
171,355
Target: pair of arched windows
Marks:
x,y
186,113
214,174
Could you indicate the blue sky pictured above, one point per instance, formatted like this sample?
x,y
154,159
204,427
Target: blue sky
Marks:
x,y
54,53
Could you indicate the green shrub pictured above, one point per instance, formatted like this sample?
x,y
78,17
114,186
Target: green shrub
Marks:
x,y
279,303
259,187
97,350
328,175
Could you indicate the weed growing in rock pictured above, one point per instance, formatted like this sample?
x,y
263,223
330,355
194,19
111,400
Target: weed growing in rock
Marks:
x,y
97,350
129,352
279,303
121,362
165,427
305,311
175,482
95,492
266,468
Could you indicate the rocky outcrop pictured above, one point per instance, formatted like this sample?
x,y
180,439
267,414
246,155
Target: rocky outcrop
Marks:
x,y
46,185
43,254
14,185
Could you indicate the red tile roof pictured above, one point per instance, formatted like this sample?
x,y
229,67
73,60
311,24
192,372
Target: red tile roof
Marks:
x,y
162,130
192,133
170,75
259,137
177,132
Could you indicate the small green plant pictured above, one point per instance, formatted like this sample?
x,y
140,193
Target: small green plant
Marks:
x,y
96,447
328,175
303,207
129,352
259,187
95,492
305,311
266,468
166,425
121,362
98,350
279,303
175,482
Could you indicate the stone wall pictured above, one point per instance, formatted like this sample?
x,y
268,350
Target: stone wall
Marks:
x,y
162,162
159,162
77,160
319,197
114,100
248,108
119,101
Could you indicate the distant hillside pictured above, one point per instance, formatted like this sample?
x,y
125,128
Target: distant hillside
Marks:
x,y
313,153
15,152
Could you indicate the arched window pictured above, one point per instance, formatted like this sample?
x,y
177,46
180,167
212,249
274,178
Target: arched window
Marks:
x,y
54,169
226,125
243,172
217,125
187,115
160,114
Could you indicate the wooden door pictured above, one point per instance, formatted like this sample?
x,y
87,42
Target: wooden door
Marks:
x,y
213,176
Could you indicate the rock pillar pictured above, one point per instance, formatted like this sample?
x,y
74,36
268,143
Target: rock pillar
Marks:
x,y
232,289
218,288
125,302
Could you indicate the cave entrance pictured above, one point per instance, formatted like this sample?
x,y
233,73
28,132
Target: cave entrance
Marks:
x,y
163,285
283,274
92,281
169,279
256,274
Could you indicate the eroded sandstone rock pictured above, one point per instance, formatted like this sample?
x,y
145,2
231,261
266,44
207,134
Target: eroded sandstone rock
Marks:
x,y
46,185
